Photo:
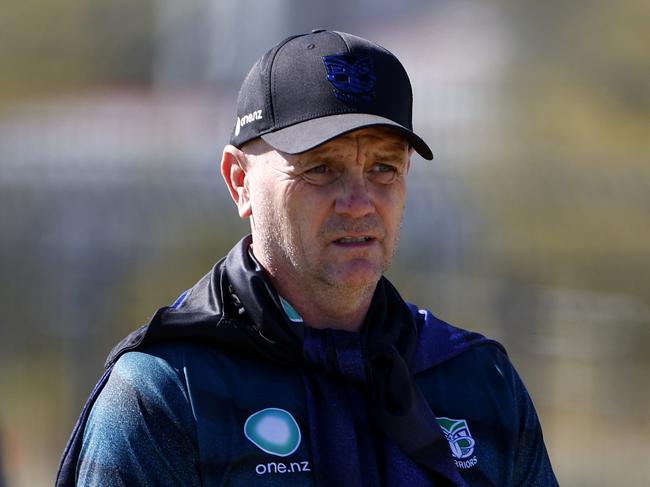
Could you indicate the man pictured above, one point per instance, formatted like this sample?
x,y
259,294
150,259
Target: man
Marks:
x,y
294,362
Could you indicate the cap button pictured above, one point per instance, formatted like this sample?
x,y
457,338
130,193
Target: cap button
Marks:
x,y
316,31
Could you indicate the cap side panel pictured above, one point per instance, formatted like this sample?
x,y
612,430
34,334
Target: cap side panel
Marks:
x,y
269,73
299,83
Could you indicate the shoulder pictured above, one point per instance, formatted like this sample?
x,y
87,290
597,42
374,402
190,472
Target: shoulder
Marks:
x,y
439,342
449,358
179,379
142,382
152,367
172,367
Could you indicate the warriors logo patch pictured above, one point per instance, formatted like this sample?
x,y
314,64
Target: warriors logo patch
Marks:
x,y
460,441
353,77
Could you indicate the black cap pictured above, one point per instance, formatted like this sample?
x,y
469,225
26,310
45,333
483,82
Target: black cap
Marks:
x,y
313,87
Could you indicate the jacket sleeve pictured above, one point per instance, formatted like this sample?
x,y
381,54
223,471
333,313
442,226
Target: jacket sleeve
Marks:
x,y
141,430
532,465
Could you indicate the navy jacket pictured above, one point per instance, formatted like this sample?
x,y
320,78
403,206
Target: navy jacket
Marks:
x,y
223,389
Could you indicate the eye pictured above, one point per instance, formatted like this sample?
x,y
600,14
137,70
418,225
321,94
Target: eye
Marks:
x,y
320,174
322,169
383,173
383,168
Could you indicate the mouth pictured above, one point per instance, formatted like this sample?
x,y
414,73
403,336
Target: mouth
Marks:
x,y
354,241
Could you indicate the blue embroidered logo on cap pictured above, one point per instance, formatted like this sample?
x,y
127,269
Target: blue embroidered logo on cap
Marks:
x,y
353,77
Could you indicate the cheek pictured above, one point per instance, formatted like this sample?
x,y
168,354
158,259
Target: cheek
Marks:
x,y
308,209
391,205
266,215
263,194
281,211
260,205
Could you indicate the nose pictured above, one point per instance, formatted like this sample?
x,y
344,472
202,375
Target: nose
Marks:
x,y
354,199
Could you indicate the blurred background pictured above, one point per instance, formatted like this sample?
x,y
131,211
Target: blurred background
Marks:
x,y
531,225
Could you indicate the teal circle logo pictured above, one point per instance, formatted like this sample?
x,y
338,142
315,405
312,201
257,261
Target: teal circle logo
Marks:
x,y
274,431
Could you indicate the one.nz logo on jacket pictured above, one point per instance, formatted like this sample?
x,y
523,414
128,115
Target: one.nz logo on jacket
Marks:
x,y
276,432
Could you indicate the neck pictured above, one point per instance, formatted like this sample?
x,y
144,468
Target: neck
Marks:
x,y
327,306
341,309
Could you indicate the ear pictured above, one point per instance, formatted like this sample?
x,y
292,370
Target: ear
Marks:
x,y
233,170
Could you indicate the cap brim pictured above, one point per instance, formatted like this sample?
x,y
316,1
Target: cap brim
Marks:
x,y
309,134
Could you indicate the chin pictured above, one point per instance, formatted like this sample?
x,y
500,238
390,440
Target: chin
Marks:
x,y
359,274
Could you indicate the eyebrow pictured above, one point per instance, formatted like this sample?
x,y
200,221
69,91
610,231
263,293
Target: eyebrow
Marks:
x,y
390,152
392,158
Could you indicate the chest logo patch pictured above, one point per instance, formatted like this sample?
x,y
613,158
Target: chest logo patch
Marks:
x,y
459,437
273,431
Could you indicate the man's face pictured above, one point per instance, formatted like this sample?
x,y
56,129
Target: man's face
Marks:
x,y
330,216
